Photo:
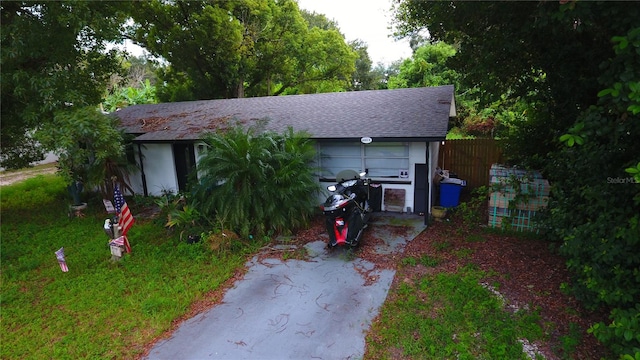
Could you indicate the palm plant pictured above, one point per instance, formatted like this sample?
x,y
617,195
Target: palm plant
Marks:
x,y
261,182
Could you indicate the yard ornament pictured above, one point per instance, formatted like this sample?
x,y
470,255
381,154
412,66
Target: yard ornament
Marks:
x,y
108,229
61,261
121,241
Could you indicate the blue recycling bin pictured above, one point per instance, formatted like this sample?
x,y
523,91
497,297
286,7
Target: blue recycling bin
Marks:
x,y
450,190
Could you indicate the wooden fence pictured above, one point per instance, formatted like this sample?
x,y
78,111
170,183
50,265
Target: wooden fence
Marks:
x,y
470,159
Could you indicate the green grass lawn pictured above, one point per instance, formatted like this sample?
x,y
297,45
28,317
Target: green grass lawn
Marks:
x,y
449,316
100,308
107,309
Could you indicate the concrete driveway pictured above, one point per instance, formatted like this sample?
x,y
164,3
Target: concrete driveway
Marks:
x,y
319,308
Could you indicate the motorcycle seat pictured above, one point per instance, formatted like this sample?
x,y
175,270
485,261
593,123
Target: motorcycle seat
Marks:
x,y
346,175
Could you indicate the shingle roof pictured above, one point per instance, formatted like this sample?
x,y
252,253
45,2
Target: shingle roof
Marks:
x,y
416,113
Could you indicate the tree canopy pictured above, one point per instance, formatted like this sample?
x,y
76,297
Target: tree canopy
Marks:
x,y
59,54
53,54
222,49
366,77
427,67
548,52
576,64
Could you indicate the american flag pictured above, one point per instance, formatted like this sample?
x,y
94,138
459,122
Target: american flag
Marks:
x,y
125,219
61,261
122,241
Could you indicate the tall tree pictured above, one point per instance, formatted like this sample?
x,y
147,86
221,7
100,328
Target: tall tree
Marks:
x,y
549,52
222,49
430,66
324,63
275,40
136,87
363,78
576,62
201,40
53,55
427,67
318,20
138,69
301,57
323,59
380,72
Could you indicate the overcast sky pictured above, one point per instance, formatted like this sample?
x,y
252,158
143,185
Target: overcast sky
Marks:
x,y
367,20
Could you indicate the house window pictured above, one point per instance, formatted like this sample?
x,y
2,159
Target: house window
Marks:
x,y
335,157
384,160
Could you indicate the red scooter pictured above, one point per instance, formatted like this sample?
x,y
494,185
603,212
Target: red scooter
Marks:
x,y
347,210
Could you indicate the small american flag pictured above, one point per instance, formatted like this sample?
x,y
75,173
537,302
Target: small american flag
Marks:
x,y
125,219
61,261
117,242
122,241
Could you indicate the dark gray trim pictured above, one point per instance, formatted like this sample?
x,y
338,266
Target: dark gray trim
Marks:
x,y
169,142
427,196
381,139
319,140
144,176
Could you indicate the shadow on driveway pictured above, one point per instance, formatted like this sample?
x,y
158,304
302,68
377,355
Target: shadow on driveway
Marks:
x,y
319,308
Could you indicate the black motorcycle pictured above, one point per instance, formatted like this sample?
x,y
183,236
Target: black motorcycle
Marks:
x,y
347,210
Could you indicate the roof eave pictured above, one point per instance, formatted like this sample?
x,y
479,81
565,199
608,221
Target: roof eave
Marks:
x,y
324,139
384,139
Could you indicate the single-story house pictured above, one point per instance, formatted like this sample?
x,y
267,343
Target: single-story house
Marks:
x,y
395,134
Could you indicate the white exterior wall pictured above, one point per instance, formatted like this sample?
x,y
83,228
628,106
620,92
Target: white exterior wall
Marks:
x,y
200,149
161,174
159,169
417,155
135,179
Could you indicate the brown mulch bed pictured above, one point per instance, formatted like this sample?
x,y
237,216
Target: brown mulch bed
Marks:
x,y
528,273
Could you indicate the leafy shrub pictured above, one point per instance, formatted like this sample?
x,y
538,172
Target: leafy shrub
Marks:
x,y
257,183
472,211
622,333
122,97
594,204
84,140
91,150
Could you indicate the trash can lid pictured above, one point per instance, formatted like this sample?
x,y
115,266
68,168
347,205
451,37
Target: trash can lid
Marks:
x,y
454,181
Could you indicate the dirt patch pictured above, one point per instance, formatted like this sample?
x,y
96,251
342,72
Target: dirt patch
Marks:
x,y
13,176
